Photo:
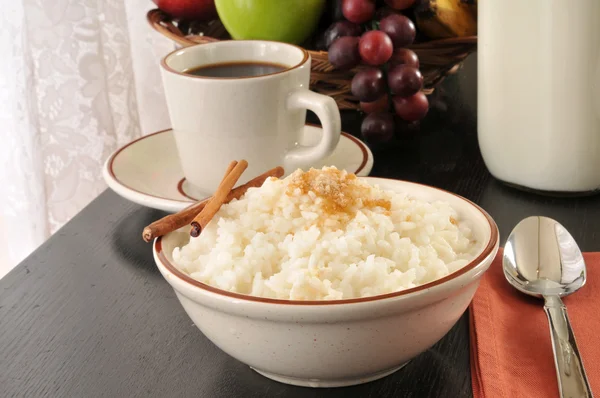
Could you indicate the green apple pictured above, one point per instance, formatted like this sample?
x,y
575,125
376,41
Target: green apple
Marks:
x,y
290,21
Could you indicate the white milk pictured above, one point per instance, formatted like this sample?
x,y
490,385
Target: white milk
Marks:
x,y
538,89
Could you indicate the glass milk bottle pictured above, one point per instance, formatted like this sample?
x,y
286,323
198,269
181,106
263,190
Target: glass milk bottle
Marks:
x,y
538,93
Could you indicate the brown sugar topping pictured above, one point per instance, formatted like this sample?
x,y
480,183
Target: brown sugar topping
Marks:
x,y
386,204
339,191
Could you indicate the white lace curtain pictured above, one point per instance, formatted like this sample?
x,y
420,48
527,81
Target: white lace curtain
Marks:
x,y
78,78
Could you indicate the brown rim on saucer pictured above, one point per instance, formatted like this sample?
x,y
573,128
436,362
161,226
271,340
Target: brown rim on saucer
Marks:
x,y
163,61
114,156
360,144
182,192
363,149
471,265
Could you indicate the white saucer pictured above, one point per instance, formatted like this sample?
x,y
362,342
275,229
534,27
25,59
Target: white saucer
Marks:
x,y
147,171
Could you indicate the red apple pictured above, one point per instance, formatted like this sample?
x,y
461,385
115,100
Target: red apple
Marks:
x,y
199,10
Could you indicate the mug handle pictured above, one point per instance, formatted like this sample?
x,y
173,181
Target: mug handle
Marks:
x,y
328,113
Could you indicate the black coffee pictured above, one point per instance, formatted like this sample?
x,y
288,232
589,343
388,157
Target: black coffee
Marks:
x,y
236,69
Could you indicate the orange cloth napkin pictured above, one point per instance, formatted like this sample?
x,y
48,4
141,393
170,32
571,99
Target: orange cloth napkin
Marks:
x,y
511,349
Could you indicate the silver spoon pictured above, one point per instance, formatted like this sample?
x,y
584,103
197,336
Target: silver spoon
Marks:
x,y
542,259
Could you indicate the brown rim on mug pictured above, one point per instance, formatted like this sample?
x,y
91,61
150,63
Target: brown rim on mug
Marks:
x,y
163,61
489,248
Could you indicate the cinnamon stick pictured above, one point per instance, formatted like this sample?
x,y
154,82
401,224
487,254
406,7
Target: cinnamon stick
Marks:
x,y
180,219
212,207
230,168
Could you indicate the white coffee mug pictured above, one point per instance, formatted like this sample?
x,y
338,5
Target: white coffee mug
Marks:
x,y
257,118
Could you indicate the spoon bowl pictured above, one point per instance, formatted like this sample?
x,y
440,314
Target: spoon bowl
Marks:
x,y
542,259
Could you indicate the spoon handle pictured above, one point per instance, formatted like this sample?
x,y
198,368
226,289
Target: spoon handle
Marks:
x,y
572,380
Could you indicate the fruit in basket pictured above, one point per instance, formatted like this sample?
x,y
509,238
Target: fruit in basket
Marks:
x,y
439,19
400,29
404,56
378,127
375,47
405,80
339,29
290,21
411,108
358,11
389,89
199,10
343,52
380,105
368,85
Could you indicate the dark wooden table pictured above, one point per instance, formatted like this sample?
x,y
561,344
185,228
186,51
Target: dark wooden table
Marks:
x,y
89,315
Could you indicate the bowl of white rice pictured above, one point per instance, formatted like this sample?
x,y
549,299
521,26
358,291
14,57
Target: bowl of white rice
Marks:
x,y
325,279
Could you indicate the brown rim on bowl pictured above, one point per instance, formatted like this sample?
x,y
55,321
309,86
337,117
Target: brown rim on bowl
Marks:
x,y
163,61
485,253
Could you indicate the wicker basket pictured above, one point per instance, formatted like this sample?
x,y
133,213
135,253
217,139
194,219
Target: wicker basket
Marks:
x,y
437,58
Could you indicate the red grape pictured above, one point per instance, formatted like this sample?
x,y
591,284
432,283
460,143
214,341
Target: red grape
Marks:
x,y
358,11
375,47
375,106
368,84
412,108
343,52
404,56
378,127
405,80
340,29
400,29
400,4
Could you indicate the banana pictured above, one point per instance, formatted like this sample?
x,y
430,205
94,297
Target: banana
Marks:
x,y
440,19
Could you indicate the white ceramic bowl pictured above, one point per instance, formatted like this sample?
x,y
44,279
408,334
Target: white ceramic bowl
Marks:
x,y
341,342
